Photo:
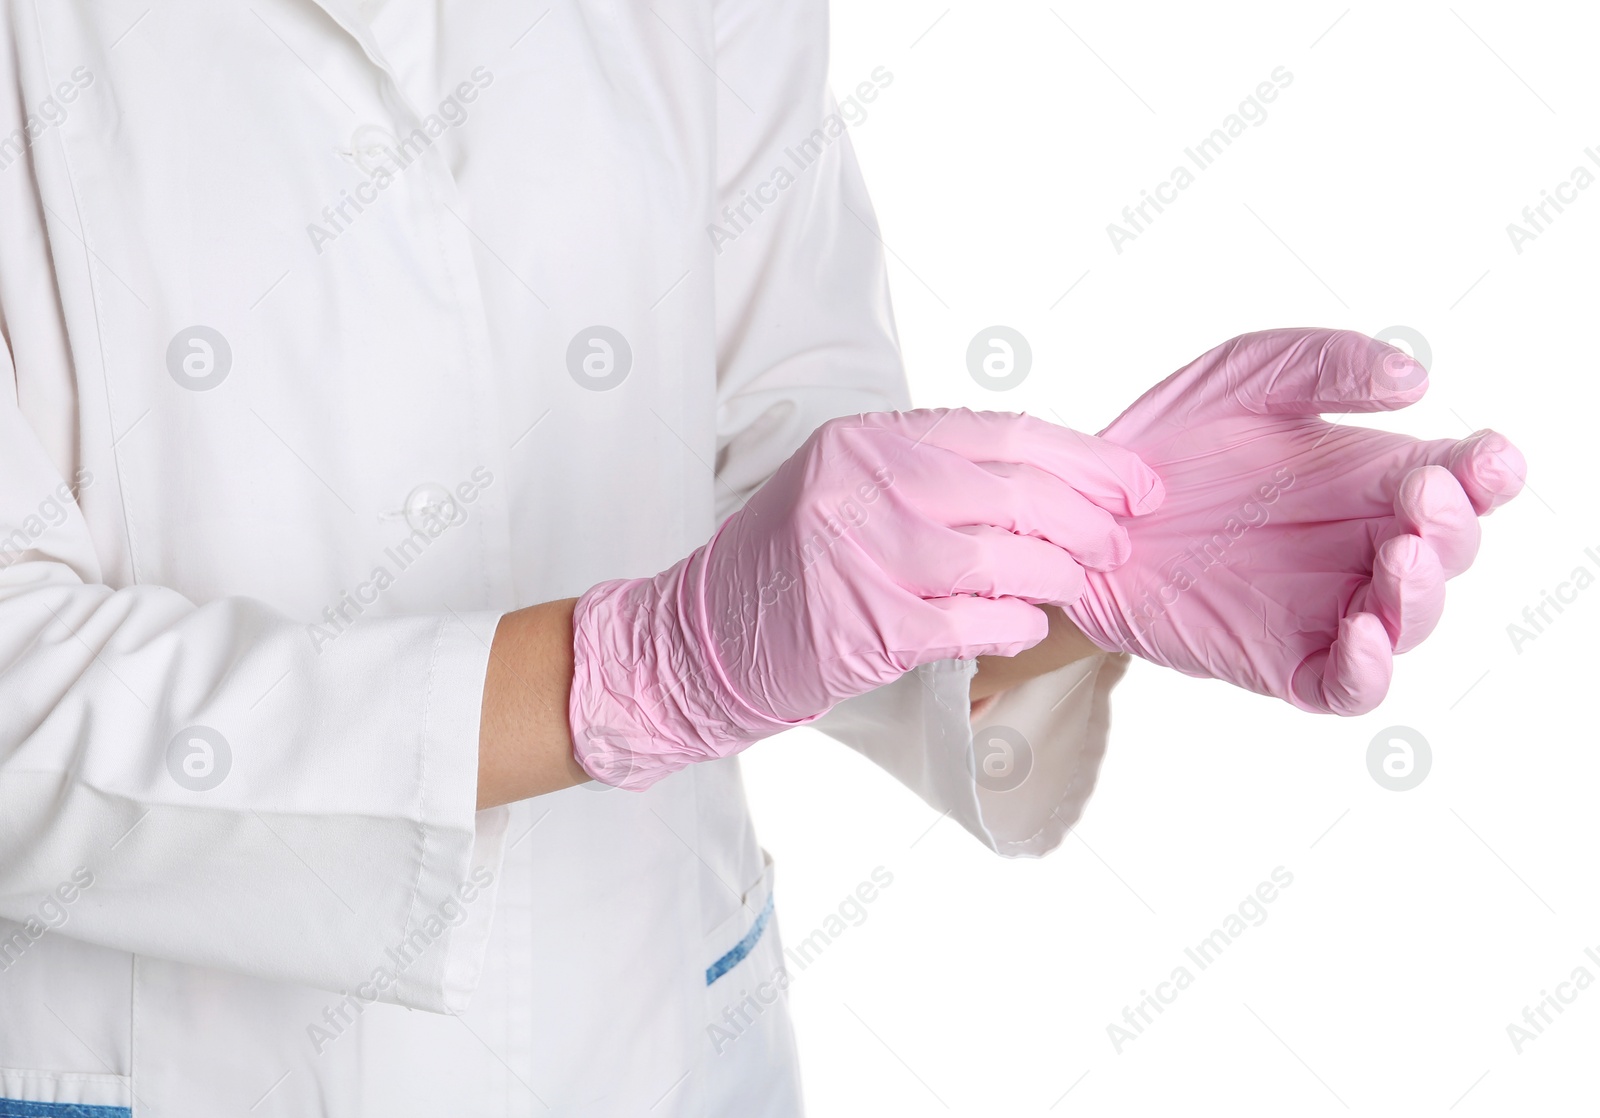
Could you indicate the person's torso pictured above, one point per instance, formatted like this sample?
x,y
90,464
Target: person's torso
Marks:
x,y
305,283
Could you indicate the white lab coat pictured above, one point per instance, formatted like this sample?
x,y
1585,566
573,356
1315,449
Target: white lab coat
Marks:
x,y
242,669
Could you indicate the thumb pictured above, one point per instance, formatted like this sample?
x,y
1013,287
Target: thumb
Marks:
x,y
973,627
1295,371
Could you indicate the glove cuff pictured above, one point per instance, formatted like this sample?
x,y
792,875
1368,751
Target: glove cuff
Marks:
x,y
648,695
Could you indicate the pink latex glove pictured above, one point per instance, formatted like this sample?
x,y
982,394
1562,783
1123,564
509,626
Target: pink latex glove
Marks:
x,y
1293,556
887,541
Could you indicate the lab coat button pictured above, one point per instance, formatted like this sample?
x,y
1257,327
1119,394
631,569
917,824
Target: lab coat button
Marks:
x,y
432,508
373,148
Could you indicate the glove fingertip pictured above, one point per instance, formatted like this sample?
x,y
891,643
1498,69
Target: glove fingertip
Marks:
x,y
1490,468
1408,590
974,627
1155,493
1352,675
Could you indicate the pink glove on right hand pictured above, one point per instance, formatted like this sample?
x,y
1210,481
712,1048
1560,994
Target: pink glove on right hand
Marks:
x,y
1293,557
887,541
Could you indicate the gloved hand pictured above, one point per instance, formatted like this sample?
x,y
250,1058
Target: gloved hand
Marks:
x,y
887,541
1293,556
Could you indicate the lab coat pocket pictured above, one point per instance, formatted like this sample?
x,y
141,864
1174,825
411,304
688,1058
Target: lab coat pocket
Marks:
x,y
745,977
64,1094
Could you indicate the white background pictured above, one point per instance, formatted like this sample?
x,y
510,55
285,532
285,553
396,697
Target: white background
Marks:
x,y
1419,923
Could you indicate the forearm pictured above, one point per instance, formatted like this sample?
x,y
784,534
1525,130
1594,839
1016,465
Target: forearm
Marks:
x,y
524,739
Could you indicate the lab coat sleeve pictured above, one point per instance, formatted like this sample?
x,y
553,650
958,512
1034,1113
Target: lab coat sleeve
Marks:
x,y
804,328
1016,771
805,333
199,783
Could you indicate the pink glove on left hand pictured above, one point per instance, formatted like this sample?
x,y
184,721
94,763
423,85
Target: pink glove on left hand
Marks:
x,y
888,540
1293,556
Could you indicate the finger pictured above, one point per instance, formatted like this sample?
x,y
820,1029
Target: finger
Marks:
x,y
1354,472
1406,592
1431,503
1296,371
941,562
1489,468
957,493
1112,477
1034,503
1352,675
965,628
1309,372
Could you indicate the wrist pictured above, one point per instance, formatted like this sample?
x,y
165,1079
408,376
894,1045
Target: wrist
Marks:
x,y
524,741
1064,644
